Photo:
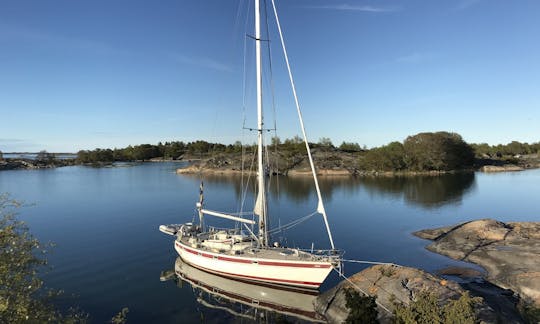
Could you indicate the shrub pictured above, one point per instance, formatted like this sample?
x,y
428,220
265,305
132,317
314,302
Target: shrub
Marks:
x,y
362,309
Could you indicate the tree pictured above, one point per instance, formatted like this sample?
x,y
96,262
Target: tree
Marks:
x,y
199,147
22,296
440,151
1,156
326,142
350,147
385,158
362,309
44,157
427,309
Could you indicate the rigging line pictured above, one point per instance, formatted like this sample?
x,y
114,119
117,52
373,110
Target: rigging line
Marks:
x,y
244,90
320,207
244,193
293,223
244,77
362,291
272,88
375,282
237,18
372,262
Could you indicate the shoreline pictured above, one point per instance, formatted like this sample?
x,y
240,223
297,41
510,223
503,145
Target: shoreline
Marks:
x,y
507,251
193,169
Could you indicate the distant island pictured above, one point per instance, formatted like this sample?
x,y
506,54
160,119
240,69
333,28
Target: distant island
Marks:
x,y
430,152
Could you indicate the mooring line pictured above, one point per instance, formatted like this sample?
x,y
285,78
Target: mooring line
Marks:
x,y
372,262
360,289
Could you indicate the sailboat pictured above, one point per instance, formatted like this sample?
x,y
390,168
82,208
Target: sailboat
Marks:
x,y
248,253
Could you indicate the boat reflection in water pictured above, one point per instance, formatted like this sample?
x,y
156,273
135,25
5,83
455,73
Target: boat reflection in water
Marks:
x,y
244,299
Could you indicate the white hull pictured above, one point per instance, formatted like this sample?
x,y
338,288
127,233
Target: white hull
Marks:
x,y
309,274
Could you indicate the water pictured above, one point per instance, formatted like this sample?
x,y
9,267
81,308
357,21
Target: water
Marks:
x,y
109,253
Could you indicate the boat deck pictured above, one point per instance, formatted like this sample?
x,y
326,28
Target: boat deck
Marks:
x,y
251,251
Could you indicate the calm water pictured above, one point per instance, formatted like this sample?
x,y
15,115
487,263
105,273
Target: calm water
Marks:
x,y
109,253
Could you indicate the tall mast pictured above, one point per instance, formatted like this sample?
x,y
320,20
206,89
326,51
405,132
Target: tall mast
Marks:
x,y
260,204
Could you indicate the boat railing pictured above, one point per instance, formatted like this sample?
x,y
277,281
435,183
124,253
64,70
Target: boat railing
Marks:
x,y
227,230
331,255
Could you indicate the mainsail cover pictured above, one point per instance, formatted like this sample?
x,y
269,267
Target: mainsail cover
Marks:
x,y
259,204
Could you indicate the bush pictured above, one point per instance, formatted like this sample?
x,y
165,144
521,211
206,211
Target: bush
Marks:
x,y
22,297
362,309
386,158
530,314
427,309
441,151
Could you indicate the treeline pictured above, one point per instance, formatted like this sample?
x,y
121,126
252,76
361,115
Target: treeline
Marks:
x,y
440,151
175,150
430,151
168,150
513,148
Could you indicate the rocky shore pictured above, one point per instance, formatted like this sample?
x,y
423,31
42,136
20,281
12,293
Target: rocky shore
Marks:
x,y
16,164
327,163
503,168
391,284
510,252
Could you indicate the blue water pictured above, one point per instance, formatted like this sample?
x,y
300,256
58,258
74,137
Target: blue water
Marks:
x,y
109,253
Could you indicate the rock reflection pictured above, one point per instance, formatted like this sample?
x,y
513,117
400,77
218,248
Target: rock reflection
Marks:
x,y
243,299
429,191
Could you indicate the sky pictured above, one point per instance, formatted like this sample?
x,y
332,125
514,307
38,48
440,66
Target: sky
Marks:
x,y
110,73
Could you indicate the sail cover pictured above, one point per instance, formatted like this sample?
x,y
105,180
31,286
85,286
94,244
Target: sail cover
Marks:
x,y
258,209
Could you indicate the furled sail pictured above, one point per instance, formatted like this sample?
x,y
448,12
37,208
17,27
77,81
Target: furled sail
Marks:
x,y
259,204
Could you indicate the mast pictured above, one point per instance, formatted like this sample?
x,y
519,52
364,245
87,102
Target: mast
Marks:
x,y
260,204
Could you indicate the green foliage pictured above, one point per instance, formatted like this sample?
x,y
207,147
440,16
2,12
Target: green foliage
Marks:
x,y
511,149
385,158
426,309
423,310
326,142
350,147
440,151
530,313
22,298
460,311
1,156
121,317
362,309
167,150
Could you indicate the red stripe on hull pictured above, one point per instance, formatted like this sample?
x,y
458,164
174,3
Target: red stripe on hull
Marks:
x,y
234,260
295,265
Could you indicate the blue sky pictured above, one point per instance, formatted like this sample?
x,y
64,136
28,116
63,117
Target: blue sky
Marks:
x,y
86,74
